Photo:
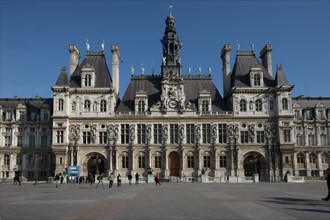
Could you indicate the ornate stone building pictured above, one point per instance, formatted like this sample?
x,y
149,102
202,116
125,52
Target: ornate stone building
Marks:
x,y
174,123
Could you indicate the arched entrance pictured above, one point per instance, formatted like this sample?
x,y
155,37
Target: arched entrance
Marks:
x,y
174,163
96,165
251,164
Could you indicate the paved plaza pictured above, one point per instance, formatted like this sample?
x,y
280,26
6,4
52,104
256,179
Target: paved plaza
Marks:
x,y
168,201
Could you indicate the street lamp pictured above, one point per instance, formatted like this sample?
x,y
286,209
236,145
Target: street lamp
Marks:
x,y
97,161
37,157
254,161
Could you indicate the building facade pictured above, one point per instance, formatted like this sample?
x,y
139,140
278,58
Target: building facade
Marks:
x,y
178,125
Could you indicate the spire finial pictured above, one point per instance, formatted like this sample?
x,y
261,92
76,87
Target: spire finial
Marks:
x,y
102,45
170,10
87,45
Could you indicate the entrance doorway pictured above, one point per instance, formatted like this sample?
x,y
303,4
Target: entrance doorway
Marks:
x,y
174,163
251,165
96,165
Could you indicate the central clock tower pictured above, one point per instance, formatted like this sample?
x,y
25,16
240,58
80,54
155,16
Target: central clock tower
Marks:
x,y
173,96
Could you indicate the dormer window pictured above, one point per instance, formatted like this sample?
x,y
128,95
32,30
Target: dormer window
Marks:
x,y
141,106
60,105
88,80
285,105
87,106
205,106
141,101
259,105
257,80
242,105
103,106
204,101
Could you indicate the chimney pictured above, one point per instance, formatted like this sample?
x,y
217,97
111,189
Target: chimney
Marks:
x,y
225,56
115,67
266,58
74,57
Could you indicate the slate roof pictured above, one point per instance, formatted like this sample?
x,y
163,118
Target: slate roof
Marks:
x,y
240,74
98,61
280,78
152,86
310,102
62,79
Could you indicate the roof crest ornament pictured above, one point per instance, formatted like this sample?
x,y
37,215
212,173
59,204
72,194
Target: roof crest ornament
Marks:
x,y
102,46
238,47
170,10
252,47
87,45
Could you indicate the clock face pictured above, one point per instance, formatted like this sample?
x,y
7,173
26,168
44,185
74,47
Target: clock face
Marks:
x,y
172,103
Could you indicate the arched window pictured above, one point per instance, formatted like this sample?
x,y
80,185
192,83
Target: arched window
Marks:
x,y
312,158
88,80
242,105
6,159
325,158
223,159
87,105
300,158
271,105
141,105
259,105
257,80
103,106
205,106
60,106
285,104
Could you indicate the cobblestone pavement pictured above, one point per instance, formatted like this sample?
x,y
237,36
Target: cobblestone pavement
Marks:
x,y
168,201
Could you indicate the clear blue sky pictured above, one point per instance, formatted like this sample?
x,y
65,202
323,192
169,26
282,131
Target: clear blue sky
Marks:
x,y
35,36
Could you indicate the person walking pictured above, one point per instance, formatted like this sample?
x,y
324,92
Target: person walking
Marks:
x,y
129,178
57,178
100,180
118,180
137,177
111,178
157,179
328,185
91,178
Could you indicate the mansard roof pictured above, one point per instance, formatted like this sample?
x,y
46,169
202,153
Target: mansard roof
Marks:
x,y
62,79
240,75
98,62
152,86
30,103
311,102
280,78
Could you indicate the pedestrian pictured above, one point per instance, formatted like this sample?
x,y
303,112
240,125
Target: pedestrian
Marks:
x,y
91,178
157,179
118,180
129,178
137,177
227,179
111,179
100,180
61,178
328,185
57,178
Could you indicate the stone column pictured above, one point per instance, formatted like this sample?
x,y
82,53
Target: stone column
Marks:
x,y
182,161
24,165
307,167
166,162
132,159
319,163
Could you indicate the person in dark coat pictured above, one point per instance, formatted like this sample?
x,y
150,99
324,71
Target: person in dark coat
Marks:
x,y
328,184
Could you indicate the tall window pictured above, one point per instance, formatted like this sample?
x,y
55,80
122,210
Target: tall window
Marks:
x,y
60,106
205,106
20,141
19,159
141,133
190,161
6,160
59,137
244,137
124,161
325,158
206,129
158,161
141,106
207,161
124,133
300,158
103,106
222,133
88,80
174,133
287,136
311,140
242,105
44,140
257,80
32,141
86,137
260,137
223,160
87,105
158,137
190,133
285,104
259,105
299,140
7,141
323,139
312,158
142,161
103,137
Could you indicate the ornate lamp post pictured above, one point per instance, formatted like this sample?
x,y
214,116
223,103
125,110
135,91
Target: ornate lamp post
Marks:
x,y
97,161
